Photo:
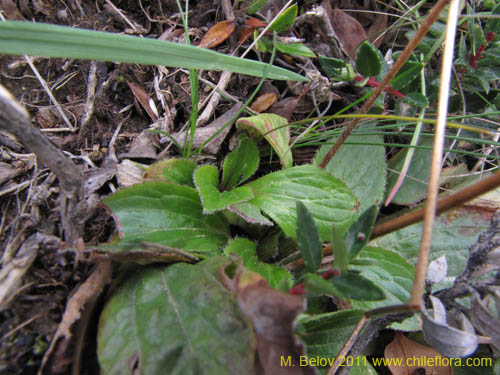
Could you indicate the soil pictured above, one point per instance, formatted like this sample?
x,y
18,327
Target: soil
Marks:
x,y
28,325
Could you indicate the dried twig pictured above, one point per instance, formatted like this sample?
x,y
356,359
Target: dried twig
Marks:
x,y
437,155
74,206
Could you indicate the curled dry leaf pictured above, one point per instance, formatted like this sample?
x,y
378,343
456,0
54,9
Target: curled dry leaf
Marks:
x,y
272,314
264,101
144,100
485,321
405,356
217,34
450,341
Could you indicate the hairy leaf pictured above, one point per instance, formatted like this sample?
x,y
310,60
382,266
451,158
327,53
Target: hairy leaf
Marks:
x,y
175,320
308,238
247,250
240,164
361,166
272,128
168,214
206,180
327,198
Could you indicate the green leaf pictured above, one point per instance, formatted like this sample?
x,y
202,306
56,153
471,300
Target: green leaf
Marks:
x,y
317,285
365,176
240,164
255,6
247,250
175,320
175,171
327,198
324,334
206,180
339,249
348,284
353,285
26,38
295,49
285,20
452,234
408,73
168,214
416,99
389,271
493,24
250,213
272,128
414,187
308,239
368,62
336,69
359,232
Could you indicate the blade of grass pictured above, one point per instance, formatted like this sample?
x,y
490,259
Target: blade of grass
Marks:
x,y
411,151
25,38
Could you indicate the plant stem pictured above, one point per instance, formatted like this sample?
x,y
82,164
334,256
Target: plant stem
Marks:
x,y
445,204
437,155
422,31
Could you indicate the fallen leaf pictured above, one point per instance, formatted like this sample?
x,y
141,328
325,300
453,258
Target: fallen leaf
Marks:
x,y
217,34
255,23
60,355
349,31
285,107
377,30
10,10
272,314
264,101
204,133
144,100
142,147
413,356
450,341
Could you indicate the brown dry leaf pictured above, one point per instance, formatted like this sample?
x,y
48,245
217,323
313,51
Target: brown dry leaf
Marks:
x,y
255,23
217,34
272,314
63,352
285,107
145,100
10,10
349,31
202,134
264,101
244,34
377,30
416,356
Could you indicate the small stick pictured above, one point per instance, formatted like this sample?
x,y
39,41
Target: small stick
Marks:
x,y
422,31
437,156
445,204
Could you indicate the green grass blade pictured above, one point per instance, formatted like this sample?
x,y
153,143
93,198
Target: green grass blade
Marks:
x,y
25,38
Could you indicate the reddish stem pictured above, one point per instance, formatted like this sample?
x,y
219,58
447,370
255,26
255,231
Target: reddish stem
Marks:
x,y
473,58
374,83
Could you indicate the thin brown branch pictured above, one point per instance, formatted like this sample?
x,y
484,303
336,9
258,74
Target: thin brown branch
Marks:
x,y
437,156
14,119
422,31
445,204
454,200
